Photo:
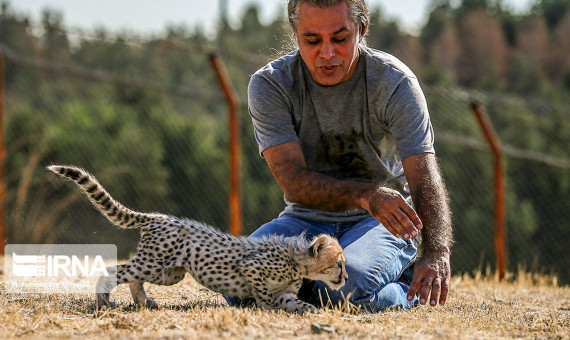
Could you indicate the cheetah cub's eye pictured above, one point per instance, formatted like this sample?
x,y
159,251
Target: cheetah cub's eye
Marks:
x,y
339,263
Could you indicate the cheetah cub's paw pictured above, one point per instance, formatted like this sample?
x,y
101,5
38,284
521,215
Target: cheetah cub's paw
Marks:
x,y
301,308
150,304
309,309
103,302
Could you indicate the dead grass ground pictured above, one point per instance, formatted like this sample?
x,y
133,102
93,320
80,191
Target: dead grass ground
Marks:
x,y
478,308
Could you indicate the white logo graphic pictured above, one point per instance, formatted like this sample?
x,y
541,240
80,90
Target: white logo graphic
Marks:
x,y
55,265
57,268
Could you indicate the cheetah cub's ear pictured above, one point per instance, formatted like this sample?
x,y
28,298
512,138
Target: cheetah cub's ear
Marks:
x,y
319,244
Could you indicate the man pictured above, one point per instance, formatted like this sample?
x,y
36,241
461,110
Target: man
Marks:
x,y
346,133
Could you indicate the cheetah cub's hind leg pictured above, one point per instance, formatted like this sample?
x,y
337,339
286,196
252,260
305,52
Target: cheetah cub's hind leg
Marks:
x,y
139,295
104,286
123,273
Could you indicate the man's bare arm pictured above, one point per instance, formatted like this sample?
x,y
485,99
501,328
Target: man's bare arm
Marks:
x,y
432,271
311,188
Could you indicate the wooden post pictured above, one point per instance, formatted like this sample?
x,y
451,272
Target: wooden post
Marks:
x,y
499,184
234,150
2,156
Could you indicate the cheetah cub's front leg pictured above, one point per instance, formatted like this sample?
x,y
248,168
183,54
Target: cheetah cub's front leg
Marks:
x,y
251,270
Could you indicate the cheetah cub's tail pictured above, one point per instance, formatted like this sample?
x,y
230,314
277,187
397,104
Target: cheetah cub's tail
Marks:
x,y
117,213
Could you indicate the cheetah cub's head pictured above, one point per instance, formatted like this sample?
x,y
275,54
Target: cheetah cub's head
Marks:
x,y
326,261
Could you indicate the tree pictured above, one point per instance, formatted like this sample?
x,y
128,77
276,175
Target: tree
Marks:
x,y
526,74
15,31
440,45
55,42
558,63
533,39
439,18
483,55
409,50
383,34
552,10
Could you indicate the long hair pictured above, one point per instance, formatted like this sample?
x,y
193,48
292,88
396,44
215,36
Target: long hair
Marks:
x,y
357,10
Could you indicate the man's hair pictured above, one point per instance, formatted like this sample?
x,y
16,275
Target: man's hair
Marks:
x,y
357,10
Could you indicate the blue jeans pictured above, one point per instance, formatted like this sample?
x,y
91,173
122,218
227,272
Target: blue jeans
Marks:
x,y
375,260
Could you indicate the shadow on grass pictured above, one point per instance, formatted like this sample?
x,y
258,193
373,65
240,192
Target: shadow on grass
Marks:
x,y
131,307
87,305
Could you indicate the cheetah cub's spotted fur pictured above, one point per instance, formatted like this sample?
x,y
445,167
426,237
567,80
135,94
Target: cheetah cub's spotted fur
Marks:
x,y
270,269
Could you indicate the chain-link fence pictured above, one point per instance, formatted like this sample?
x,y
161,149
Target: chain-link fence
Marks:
x,y
160,146
535,137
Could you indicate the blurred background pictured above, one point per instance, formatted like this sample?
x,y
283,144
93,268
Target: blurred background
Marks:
x,y
126,91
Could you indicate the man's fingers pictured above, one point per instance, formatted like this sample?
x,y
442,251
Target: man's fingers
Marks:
x,y
416,281
426,289
406,223
397,225
389,227
435,291
400,222
411,215
444,291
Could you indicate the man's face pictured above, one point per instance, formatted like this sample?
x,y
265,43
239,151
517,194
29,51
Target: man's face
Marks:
x,y
328,41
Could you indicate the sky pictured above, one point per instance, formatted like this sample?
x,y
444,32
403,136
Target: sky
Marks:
x,y
153,16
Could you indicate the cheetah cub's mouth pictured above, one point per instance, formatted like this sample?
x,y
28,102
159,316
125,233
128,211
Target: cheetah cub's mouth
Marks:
x,y
340,268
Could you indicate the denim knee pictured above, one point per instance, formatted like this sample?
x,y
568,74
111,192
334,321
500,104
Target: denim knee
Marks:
x,y
393,294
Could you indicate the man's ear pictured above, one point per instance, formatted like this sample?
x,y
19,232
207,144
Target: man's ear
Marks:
x,y
318,244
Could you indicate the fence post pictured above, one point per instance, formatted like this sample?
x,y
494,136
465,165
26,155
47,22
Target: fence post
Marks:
x,y
234,152
499,184
2,156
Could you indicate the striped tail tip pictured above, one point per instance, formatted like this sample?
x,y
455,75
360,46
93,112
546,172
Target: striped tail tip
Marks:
x,y
70,172
56,168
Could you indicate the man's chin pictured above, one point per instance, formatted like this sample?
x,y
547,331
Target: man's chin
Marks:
x,y
328,81
324,79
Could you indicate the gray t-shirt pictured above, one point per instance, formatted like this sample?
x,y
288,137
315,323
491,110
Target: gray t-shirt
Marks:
x,y
360,129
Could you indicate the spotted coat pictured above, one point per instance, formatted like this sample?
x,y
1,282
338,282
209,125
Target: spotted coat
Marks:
x,y
269,269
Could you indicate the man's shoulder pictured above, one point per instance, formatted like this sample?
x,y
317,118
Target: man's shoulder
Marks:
x,y
284,68
385,63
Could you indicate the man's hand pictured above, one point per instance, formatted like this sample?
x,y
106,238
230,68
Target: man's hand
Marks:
x,y
431,278
388,207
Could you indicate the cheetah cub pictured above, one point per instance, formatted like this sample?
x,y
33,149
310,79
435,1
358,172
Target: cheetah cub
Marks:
x,y
269,269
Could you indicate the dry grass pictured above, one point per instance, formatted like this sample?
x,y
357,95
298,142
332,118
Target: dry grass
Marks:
x,y
528,307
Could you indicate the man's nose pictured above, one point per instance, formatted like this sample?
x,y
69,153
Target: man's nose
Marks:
x,y
327,50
